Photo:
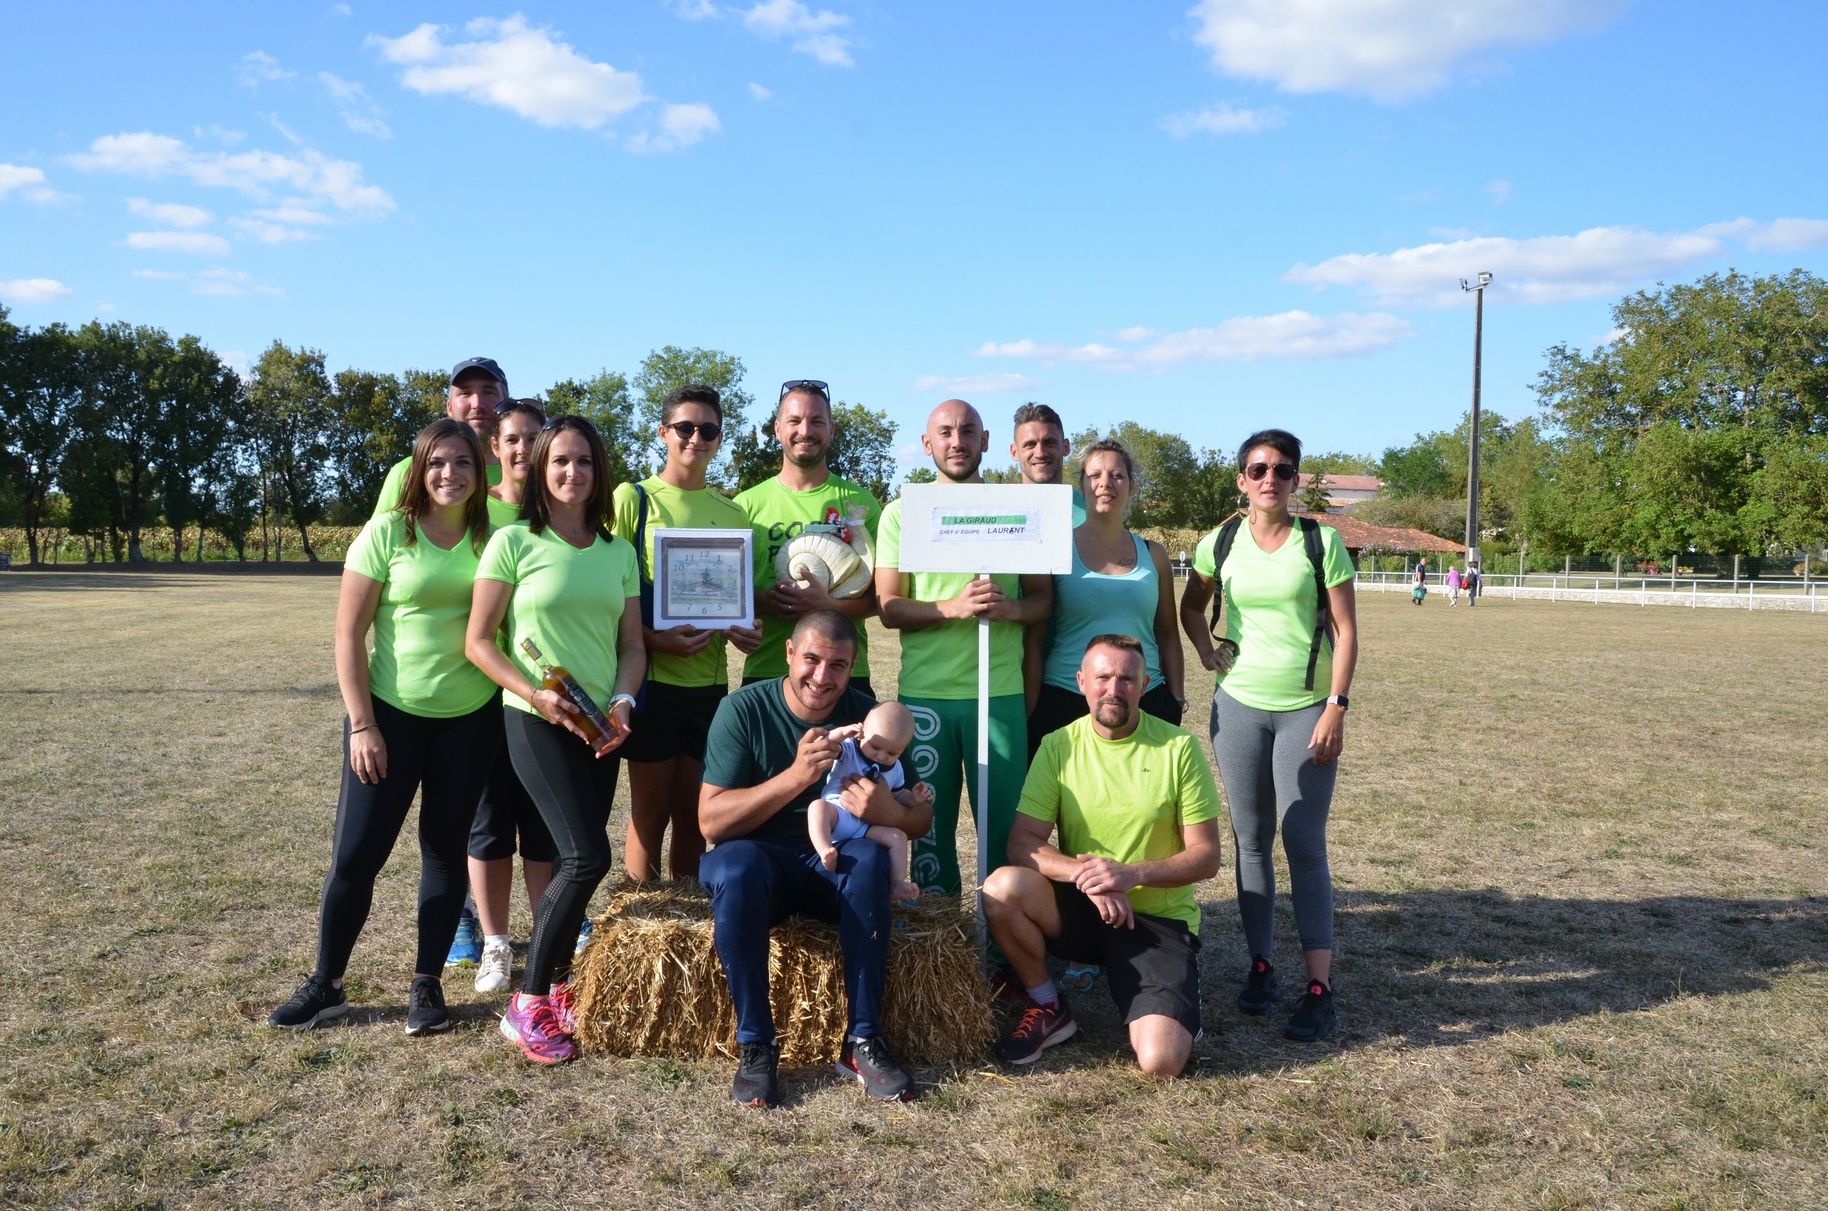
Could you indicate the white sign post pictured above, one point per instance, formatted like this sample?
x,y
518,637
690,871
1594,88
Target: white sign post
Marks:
x,y
1010,529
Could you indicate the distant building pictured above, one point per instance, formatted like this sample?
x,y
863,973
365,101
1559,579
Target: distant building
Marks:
x,y
1344,492
1357,536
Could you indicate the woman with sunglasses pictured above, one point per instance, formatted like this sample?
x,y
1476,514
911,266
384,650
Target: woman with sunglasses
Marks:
x,y
1279,709
687,671
421,719
561,580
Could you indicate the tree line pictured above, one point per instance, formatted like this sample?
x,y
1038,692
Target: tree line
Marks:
x,y
1701,426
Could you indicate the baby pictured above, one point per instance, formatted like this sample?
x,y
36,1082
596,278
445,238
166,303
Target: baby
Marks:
x,y
871,750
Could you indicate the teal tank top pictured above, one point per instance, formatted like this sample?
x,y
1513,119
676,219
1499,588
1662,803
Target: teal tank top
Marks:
x,y
1088,604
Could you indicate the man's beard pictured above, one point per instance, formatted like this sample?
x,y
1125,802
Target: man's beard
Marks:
x,y
977,460
804,462
1113,706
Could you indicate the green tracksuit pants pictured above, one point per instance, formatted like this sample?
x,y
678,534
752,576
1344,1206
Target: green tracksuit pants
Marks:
x,y
944,755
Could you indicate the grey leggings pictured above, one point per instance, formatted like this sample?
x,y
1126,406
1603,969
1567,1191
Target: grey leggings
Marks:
x,y
1270,779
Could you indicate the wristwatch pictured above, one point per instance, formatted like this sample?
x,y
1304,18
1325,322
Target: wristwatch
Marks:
x,y
628,698
1339,700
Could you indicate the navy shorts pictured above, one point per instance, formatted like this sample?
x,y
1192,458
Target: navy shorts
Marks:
x,y
1152,969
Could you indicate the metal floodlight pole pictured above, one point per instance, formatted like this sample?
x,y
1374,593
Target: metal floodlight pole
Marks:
x,y
1472,470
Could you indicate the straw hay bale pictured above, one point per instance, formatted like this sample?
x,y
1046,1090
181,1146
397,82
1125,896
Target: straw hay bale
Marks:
x,y
649,983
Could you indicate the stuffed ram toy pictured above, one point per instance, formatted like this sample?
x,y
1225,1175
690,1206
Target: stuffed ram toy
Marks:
x,y
840,557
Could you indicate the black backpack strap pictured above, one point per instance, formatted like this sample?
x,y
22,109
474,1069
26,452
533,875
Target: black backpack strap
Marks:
x,y
1317,555
647,573
1221,548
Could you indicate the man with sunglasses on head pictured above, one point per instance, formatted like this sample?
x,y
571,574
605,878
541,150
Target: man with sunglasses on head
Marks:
x,y
478,391
806,492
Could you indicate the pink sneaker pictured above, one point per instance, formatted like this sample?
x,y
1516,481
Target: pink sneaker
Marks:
x,y
534,1025
565,1007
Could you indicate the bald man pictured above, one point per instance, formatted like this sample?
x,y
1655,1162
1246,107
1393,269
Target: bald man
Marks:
x,y
937,614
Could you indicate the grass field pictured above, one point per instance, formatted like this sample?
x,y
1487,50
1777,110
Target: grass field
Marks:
x,y
1583,927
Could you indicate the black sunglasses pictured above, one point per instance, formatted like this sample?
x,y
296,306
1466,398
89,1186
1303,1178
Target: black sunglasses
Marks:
x,y
687,429
1284,471
519,405
803,384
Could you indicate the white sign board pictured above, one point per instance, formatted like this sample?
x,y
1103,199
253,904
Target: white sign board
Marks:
x,y
1015,529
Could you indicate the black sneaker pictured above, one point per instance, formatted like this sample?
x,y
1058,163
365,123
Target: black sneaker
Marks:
x,y
871,1061
1260,991
317,1002
425,1007
757,1080
1313,1019
1040,1027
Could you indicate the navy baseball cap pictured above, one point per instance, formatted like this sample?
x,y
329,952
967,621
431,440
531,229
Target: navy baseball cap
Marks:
x,y
485,364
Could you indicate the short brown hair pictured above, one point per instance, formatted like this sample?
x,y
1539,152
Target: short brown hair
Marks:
x,y
1124,643
416,498
1033,413
536,506
691,393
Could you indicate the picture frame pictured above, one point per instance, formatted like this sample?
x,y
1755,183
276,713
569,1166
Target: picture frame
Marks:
x,y
703,578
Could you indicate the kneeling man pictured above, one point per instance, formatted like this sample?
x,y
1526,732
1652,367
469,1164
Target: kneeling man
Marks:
x,y
766,759
1137,811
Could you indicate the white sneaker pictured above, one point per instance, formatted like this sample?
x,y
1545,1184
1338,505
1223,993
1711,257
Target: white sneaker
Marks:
x,y
497,963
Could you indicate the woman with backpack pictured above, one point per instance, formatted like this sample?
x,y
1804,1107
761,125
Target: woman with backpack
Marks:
x,y
1285,663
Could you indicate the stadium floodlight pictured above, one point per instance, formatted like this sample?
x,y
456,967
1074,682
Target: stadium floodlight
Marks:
x,y
1472,460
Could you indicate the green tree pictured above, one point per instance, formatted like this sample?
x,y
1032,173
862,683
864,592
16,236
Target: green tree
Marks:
x,y
920,475
123,419
40,396
604,401
863,447
1338,463
201,395
1314,494
373,421
291,421
671,367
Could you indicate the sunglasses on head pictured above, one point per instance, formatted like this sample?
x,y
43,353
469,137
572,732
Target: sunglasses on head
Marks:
x,y
687,429
511,405
804,384
1283,471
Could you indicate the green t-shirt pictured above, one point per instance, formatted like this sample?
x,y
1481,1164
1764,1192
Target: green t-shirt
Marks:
x,y
941,661
393,488
569,602
1269,614
677,508
418,663
777,515
502,513
755,736
1125,800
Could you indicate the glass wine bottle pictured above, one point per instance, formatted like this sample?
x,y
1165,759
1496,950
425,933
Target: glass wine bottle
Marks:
x,y
557,678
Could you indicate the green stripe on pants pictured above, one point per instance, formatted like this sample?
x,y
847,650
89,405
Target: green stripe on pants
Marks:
x,y
944,755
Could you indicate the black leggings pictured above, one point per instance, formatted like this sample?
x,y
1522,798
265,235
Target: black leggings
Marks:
x,y
574,790
449,759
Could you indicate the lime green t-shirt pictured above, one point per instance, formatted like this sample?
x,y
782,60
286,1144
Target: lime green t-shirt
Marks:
x,y
777,515
569,602
1126,800
941,660
393,488
1269,614
418,663
501,513
677,508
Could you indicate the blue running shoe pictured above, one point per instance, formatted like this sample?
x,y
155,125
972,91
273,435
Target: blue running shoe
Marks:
x,y
466,947
583,937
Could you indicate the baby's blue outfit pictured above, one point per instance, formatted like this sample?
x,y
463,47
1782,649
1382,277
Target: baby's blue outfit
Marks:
x,y
851,761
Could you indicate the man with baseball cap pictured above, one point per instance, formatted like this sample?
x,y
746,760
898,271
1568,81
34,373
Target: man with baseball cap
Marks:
x,y
478,387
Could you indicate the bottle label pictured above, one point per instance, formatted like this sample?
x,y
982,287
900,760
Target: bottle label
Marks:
x,y
583,702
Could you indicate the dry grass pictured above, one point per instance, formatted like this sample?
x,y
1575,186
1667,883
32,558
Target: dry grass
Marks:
x,y
1582,936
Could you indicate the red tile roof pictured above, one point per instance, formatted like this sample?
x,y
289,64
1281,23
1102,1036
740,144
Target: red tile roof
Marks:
x,y
1360,536
1344,483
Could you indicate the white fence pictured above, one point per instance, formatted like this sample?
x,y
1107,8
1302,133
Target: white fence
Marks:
x,y
1600,589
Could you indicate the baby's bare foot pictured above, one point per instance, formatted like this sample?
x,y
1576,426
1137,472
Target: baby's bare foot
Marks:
x,y
905,891
830,858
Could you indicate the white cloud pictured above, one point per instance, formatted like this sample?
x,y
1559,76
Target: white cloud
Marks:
x,y
759,93
230,282
272,233
258,67
159,275
222,135
1500,191
354,106
198,243
1224,120
680,126
145,154
1385,49
811,32
296,214
1134,335
171,213
516,67
1549,269
34,290
341,10
16,176
1292,335
693,10
975,384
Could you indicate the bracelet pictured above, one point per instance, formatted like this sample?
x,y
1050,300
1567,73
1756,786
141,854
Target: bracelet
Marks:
x,y
628,698
356,731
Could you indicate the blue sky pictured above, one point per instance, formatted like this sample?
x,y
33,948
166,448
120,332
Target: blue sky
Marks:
x,y
1207,219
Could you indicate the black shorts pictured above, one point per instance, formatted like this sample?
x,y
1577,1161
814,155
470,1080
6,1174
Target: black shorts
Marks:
x,y
860,684
1152,969
1056,708
674,719
507,810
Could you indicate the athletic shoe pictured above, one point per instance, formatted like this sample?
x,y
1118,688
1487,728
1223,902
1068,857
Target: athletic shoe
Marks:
x,y
466,947
758,1079
317,1002
1260,990
1314,1018
1079,977
497,966
583,938
1006,985
1041,1027
564,1007
425,1013
871,1062
535,1027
